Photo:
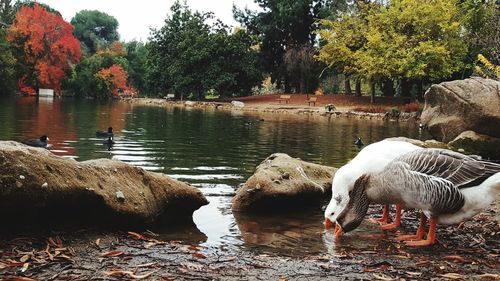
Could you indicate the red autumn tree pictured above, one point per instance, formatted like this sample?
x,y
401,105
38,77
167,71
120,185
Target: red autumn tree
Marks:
x,y
115,78
47,43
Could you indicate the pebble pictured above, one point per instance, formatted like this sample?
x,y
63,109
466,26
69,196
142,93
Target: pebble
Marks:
x,y
120,196
22,177
45,185
19,184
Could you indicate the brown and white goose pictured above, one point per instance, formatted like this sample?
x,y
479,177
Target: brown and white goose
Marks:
x,y
448,187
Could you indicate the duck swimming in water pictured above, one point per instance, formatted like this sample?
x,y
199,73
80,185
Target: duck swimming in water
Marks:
x,y
41,142
359,142
105,134
448,187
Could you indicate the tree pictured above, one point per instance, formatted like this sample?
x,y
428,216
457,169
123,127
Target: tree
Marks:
x,y
136,54
302,68
83,81
481,23
405,40
46,44
95,29
281,26
115,79
187,56
342,38
7,59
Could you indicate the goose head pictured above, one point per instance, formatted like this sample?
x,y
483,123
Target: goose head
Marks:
x,y
44,138
355,210
342,184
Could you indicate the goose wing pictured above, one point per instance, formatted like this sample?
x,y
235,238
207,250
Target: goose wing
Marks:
x,y
461,170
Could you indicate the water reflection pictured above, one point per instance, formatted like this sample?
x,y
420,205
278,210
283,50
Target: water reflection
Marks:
x,y
215,151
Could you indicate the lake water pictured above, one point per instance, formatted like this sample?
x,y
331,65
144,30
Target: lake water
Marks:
x,y
212,150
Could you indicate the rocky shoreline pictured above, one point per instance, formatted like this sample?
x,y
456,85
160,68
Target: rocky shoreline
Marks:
x,y
277,109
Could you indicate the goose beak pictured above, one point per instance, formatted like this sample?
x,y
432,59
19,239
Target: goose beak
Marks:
x,y
338,230
328,223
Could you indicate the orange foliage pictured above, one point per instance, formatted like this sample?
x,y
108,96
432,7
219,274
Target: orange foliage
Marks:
x,y
116,49
25,89
115,78
411,107
48,44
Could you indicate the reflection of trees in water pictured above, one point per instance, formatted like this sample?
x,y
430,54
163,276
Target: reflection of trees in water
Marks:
x,y
44,116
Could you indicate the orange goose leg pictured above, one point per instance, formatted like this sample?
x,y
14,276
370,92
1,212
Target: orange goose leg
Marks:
x,y
420,231
431,236
385,217
397,220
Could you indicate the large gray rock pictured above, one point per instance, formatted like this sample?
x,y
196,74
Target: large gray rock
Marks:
x,y
283,182
473,143
34,183
457,106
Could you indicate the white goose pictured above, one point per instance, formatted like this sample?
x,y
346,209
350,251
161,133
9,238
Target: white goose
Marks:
x,y
447,186
371,159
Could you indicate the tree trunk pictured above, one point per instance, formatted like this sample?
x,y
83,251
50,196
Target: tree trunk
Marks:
x,y
405,88
420,90
287,84
388,88
358,87
347,85
372,91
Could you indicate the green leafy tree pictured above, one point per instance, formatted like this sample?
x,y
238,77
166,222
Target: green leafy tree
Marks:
x,y
481,22
95,29
405,40
282,25
84,83
189,57
7,59
136,55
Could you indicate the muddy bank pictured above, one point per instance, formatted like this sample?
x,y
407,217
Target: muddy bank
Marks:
x,y
467,252
340,112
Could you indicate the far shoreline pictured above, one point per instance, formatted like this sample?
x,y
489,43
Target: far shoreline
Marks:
x,y
298,106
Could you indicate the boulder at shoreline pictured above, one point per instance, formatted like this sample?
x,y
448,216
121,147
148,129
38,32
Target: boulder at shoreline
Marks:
x,y
281,182
457,106
36,184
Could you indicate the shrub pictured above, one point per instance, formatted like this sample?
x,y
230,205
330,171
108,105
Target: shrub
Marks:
x,y
411,107
371,109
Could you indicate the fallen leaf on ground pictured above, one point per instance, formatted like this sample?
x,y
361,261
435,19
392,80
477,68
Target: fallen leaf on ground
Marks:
x,y
128,273
228,259
136,235
489,276
382,277
25,258
98,242
25,267
453,276
20,278
149,245
454,258
199,255
112,254
192,266
147,264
